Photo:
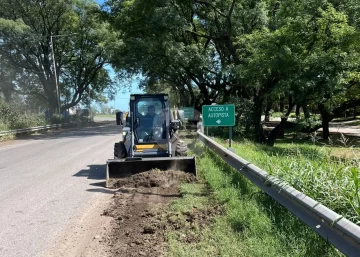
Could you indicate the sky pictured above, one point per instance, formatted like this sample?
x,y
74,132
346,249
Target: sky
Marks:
x,y
122,99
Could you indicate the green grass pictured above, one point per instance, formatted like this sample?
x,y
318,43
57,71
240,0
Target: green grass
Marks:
x,y
193,196
326,174
252,224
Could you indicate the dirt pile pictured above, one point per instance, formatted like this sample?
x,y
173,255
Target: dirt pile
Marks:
x,y
138,210
155,178
142,216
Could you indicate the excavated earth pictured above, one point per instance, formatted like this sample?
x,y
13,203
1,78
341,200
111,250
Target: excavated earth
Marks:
x,y
141,214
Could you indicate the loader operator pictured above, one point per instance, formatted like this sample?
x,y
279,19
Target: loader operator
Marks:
x,y
151,121
151,112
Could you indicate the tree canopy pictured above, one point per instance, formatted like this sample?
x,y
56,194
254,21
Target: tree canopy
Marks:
x,y
83,44
265,53
261,55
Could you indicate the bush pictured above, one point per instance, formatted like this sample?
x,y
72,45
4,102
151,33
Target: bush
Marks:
x,y
11,118
3,126
7,115
57,119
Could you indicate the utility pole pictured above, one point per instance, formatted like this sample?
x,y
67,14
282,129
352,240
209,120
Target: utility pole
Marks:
x,y
55,73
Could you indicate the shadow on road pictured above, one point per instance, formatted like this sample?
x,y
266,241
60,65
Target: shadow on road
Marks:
x,y
96,172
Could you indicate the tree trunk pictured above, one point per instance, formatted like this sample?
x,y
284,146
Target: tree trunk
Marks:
x,y
282,104
326,131
184,100
297,111
306,111
354,112
258,106
267,112
280,128
191,91
325,119
49,87
276,132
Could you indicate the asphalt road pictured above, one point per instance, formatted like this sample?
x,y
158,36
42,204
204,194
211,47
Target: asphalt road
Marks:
x,y
47,182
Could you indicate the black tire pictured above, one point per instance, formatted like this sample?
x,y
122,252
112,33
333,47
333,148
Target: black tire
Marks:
x,y
181,148
119,150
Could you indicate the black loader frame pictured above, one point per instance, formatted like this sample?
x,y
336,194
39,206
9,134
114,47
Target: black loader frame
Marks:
x,y
148,142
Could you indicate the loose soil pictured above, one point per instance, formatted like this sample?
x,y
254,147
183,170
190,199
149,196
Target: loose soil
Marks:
x,y
142,217
132,222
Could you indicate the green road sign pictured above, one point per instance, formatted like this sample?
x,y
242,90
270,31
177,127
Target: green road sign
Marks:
x,y
188,112
218,115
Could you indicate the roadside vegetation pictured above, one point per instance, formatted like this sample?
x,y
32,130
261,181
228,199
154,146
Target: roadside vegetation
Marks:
x,y
11,118
325,171
251,223
258,55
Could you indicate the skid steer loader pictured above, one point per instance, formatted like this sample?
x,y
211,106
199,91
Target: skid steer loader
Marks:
x,y
148,139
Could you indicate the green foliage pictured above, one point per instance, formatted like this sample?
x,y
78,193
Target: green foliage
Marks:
x,y
254,52
356,180
181,43
252,223
83,44
10,118
312,170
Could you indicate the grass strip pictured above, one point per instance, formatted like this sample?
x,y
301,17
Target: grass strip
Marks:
x,y
311,169
251,224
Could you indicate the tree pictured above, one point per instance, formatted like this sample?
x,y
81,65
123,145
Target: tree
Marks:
x,y
26,28
264,53
7,87
308,58
190,45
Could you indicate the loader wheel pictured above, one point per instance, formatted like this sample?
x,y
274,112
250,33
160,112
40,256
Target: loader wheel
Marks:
x,y
119,150
181,148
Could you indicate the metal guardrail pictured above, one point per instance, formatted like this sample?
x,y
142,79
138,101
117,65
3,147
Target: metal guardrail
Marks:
x,y
337,230
32,129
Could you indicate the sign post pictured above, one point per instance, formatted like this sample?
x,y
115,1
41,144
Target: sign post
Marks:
x,y
219,116
230,136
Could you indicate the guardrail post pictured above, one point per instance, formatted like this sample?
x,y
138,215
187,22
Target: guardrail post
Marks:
x,y
230,139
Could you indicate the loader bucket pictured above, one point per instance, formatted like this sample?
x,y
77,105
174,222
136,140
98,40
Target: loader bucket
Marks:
x,y
121,168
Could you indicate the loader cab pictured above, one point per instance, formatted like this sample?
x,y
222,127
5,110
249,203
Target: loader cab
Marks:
x,y
149,123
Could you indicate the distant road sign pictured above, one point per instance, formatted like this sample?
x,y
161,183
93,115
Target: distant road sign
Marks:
x,y
188,112
218,115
